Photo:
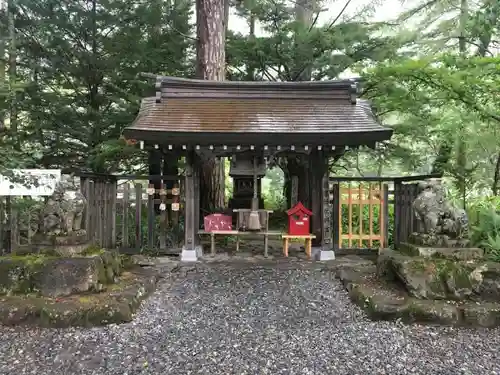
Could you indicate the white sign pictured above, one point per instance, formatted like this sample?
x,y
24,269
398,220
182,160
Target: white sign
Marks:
x,y
35,182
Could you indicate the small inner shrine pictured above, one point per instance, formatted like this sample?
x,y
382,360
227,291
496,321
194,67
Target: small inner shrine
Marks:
x,y
242,172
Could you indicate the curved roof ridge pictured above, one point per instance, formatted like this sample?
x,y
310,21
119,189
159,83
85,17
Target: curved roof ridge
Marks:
x,y
169,81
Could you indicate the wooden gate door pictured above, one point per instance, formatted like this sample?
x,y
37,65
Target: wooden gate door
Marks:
x,y
361,214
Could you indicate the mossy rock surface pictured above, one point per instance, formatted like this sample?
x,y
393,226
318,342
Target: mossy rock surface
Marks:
x,y
441,278
383,300
111,265
452,253
17,273
59,276
116,305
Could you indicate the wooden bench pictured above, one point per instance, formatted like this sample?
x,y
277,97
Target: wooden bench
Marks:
x,y
238,234
307,242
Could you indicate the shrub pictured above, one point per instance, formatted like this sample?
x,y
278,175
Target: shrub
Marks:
x,y
486,232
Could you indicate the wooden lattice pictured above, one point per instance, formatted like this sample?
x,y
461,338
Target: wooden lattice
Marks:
x,y
353,201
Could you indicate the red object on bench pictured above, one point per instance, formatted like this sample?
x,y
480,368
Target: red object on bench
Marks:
x,y
215,222
298,220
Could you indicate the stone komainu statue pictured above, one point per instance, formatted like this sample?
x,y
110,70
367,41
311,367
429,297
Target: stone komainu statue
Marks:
x,y
63,212
437,219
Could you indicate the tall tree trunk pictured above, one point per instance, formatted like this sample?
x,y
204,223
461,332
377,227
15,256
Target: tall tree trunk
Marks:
x,y
304,11
250,76
210,65
227,4
461,157
304,15
12,71
442,161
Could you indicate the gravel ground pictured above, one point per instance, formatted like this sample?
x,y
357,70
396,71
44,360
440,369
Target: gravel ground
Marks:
x,y
230,319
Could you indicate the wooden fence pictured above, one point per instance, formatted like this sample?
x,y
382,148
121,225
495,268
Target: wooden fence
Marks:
x,y
136,212
157,221
360,214
373,212
128,212
99,220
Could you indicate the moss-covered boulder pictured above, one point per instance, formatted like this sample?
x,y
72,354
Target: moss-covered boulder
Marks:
x,y
452,253
382,300
420,276
488,276
66,276
111,264
16,273
59,276
116,305
432,278
484,314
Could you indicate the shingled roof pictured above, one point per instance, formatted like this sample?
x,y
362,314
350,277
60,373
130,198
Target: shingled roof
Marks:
x,y
196,111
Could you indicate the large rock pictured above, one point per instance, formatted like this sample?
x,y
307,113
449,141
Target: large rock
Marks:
x,y
430,278
70,245
384,301
420,277
63,277
56,276
113,306
488,274
485,314
15,275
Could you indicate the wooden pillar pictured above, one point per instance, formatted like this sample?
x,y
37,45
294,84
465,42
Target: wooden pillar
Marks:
x,y
154,167
397,213
336,216
295,192
197,169
320,199
192,250
190,204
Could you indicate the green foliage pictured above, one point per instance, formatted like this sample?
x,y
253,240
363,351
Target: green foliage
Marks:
x,y
484,217
272,190
81,66
486,232
443,111
292,50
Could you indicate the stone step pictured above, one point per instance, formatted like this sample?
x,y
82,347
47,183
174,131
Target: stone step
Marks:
x,y
468,253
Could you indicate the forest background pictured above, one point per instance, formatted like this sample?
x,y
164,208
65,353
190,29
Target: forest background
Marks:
x,y
71,79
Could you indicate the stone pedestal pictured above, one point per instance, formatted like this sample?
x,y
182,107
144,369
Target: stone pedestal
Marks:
x,y
438,240
191,255
467,253
322,254
63,245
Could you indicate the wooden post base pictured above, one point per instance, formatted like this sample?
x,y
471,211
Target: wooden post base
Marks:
x,y
307,243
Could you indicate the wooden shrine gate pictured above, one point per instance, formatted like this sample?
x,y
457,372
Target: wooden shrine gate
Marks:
x,y
373,212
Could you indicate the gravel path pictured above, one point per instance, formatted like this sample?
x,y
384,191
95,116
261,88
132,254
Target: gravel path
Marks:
x,y
230,319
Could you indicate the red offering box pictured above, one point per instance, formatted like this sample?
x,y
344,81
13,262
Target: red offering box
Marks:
x,y
215,222
299,220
